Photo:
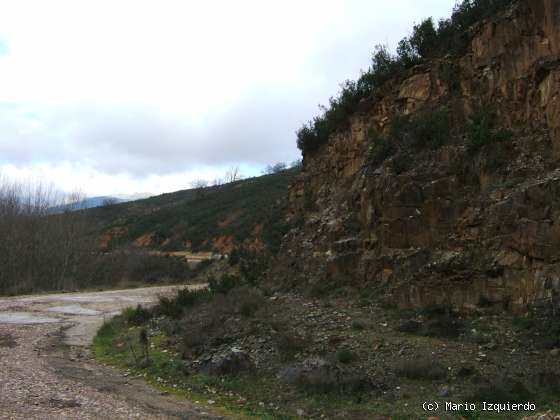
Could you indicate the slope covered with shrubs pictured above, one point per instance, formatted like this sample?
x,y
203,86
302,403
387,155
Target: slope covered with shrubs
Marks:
x,y
428,41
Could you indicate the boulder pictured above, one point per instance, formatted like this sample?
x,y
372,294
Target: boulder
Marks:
x,y
229,362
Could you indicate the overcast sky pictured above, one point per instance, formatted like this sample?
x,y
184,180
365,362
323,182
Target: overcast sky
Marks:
x,y
145,96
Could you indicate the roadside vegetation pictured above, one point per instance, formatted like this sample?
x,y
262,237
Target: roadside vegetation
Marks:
x,y
250,352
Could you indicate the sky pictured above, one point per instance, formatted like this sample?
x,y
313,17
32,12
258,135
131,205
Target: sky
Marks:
x,y
124,97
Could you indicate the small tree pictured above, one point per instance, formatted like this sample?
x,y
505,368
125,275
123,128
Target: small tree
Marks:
x,y
232,175
199,185
274,169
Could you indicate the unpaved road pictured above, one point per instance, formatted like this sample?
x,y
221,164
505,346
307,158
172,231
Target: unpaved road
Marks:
x,y
46,371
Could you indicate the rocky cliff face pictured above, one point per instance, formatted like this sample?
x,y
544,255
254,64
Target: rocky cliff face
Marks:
x,y
451,228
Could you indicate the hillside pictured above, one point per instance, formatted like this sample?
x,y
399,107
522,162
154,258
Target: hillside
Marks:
x,y
438,185
421,260
218,218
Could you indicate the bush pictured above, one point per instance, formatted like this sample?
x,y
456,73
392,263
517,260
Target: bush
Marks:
x,y
288,343
482,131
168,307
358,325
425,129
233,259
424,368
224,284
444,327
186,297
247,301
345,356
137,316
381,149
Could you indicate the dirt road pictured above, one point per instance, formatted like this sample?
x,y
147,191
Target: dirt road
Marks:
x,y
46,371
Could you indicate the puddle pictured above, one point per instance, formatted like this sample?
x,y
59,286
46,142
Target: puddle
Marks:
x,y
24,318
87,298
73,310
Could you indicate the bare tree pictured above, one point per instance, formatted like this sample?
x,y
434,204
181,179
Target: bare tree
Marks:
x,y
274,169
39,248
199,185
232,175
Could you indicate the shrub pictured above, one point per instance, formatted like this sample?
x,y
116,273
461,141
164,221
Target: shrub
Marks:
x,y
380,149
234,257
224,284
450,73
421,368
445,326
186,297
137,316
247,301
288,343
425,129
358,325
345,356
168,307
482,131
252,267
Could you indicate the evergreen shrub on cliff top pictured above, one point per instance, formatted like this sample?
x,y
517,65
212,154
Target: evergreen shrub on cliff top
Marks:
x,y
427,129
451,36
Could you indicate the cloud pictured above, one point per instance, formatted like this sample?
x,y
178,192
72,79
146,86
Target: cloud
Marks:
x,y
132,91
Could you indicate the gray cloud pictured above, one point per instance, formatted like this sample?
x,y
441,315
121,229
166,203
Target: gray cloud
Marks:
x,y
258,128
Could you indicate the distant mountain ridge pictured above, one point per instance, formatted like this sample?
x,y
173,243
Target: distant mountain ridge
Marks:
x,y
99,201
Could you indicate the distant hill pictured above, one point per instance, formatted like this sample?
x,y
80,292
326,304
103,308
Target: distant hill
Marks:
x,y
98,201
217,218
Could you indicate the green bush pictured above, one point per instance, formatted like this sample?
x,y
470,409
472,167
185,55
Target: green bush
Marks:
x,y
345,356
482,131
168,307
186,297
380,149
358,325
137,316
233,257
426,129
224,284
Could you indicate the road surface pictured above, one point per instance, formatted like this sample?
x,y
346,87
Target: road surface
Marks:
x,y
46,371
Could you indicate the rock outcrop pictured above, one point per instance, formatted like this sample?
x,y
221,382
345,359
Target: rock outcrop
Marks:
x,y
448,230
